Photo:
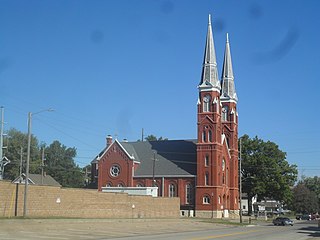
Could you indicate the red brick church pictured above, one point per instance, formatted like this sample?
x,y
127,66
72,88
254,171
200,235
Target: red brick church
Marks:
x,y
202,172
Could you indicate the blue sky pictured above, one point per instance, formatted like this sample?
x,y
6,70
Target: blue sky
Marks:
x,y
115,67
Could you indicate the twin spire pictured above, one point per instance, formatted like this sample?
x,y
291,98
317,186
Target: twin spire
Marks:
x,y
209,78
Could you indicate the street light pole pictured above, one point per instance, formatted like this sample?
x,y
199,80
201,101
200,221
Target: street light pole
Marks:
x,y
28,159
27,166
240,183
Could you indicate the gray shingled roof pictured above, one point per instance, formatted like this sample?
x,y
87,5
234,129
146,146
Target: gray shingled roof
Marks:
x,y
36,179
173,157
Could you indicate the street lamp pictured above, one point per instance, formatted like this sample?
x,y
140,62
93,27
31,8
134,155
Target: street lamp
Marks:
x,y
30,114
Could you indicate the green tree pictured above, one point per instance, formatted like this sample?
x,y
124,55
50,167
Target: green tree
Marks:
x,y
154,138
265,171
313,184
17,141
61,166
304,200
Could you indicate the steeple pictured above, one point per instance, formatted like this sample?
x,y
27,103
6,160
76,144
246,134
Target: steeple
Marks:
x,y
228,91
209,78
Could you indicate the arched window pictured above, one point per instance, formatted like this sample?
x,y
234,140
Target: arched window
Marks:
x,y
139,185
206,179
227,175
223,164
228,142
206,103
120,185
210,136
172,190
188,193
204,136
206,161
109,184
206,199
225,113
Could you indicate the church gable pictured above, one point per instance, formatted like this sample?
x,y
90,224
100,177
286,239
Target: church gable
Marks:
x,y
116,149
115,166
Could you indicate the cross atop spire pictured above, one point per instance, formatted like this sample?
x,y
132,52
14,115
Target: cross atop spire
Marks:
x,y
209,78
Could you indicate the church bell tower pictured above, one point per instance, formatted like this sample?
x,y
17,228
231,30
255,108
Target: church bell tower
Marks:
x,y
217,144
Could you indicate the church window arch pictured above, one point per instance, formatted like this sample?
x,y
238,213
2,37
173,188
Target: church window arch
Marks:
x,y
204,134
172,190
228,141
206,179
227,176
206,199
206,161
206,103
223,164
210,136
224,115
188,193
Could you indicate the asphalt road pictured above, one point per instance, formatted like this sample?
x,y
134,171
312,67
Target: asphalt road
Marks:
x,y
189,229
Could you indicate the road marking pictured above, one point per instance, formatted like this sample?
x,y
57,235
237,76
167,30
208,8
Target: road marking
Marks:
x,y
225,235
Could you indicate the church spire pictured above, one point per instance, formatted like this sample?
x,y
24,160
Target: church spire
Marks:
x,y
228,91
209,78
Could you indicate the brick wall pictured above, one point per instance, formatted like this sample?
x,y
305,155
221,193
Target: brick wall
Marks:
x,y
45,201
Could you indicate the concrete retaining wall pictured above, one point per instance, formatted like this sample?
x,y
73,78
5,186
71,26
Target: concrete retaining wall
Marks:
x,y
46,201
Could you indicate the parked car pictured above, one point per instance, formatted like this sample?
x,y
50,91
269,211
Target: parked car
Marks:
x,y
303,217
282,221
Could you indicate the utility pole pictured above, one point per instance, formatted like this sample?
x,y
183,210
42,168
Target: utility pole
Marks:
x,y
240,181
153,167
27,167
21,161
142,135
25,200
42,165
1,145
3,159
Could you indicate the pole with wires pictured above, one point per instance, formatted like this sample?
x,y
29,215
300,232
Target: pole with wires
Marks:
x,y
240,182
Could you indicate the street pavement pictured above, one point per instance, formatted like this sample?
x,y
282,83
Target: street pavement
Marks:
x,y
71,229
133,229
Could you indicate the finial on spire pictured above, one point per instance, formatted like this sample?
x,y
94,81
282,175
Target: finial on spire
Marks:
x,y
209,19
227,37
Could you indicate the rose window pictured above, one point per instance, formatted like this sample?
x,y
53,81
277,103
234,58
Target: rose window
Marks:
x,y
115,171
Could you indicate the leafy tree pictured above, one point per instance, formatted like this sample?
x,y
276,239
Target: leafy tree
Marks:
x,y
16,141
154,138
304,200
313,184
61,166
265,171
59,159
